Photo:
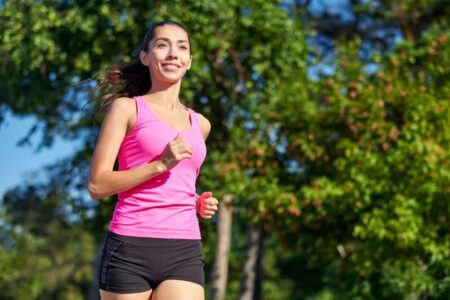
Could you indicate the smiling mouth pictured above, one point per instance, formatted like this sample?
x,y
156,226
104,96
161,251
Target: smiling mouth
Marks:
x,y
170,66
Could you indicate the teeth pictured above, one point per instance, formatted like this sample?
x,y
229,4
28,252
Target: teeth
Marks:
x,y
170,67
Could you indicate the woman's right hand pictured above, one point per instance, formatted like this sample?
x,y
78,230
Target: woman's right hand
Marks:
x,y
176,150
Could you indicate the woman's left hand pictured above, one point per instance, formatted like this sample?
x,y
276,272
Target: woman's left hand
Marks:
x,y
206,205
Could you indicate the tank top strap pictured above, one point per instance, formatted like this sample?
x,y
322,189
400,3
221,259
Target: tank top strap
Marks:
x,y
139,103
194,119
143,112
138,112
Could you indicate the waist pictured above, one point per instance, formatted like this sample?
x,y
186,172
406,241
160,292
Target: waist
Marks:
x,y
166,185
148,241
159,218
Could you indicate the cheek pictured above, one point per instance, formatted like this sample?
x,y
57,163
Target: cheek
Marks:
x,y
154,61
187,62
156,56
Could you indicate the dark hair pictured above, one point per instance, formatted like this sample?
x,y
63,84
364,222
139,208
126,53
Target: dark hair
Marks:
x,y
132,79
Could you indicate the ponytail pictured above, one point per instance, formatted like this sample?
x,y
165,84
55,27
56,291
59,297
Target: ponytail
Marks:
x,y
131,80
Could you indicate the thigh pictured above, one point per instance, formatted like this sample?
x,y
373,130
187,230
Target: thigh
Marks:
x,y
105,295
178,290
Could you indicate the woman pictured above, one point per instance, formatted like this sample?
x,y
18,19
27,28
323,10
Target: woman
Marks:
x,y
153,247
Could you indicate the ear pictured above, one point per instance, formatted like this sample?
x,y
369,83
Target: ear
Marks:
x,y
144,58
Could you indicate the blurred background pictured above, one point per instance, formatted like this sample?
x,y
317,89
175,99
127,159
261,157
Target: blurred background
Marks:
x,y
329,149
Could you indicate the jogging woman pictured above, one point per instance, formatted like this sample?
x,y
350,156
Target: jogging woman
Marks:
x,y
153,246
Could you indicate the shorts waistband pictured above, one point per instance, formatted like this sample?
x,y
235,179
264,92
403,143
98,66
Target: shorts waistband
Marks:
x,y
152,242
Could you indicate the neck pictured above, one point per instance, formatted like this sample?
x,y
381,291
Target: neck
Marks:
x,y
165,94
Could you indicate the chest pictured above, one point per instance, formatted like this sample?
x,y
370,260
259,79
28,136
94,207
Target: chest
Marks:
x,y
153,137
179,120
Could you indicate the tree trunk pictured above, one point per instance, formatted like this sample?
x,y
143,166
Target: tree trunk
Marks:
x,y
252,274
259,267
220,270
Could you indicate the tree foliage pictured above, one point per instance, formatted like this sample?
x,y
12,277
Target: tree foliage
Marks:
x,y
334,145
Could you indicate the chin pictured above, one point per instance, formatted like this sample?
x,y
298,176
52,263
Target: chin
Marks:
x,y
172,77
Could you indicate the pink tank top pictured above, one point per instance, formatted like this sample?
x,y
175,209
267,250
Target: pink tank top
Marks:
x,y
164,206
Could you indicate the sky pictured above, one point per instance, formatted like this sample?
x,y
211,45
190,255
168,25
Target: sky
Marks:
x,y
18,163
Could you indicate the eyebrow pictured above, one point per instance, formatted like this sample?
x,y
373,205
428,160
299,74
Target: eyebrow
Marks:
x,y
168,40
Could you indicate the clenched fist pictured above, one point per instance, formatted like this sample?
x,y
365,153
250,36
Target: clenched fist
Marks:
x,y
206,205
176,150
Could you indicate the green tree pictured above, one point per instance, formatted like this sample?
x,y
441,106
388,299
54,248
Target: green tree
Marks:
x,y
371,150
347,170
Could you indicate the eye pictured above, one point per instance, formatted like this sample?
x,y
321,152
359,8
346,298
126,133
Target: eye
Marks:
x,y
183,47
160,45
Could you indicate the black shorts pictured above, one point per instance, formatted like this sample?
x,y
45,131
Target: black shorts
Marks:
x,y
134,264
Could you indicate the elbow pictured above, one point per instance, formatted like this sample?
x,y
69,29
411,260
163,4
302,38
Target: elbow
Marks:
x,y
94,191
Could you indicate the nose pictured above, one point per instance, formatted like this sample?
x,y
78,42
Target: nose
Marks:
x,y
173,53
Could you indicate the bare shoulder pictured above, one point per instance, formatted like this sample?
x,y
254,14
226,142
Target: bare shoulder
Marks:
x,y
122,103
123,108
205,125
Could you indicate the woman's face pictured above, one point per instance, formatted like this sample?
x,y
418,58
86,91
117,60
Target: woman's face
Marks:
x,y
169,55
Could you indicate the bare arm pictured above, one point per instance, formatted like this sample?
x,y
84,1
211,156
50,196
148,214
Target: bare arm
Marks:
x,y
103,181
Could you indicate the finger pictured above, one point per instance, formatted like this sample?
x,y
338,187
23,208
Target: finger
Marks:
x,y
206,217
212,201
205,195
178,142
209,206
188,149
210,211
187,146
182,156
191,149
183,151
181,139
182,147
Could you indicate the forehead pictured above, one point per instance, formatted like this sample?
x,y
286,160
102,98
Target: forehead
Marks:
x,y
171,32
